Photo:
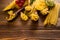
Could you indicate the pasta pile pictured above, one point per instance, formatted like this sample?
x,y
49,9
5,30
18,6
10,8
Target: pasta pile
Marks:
x,y
31,8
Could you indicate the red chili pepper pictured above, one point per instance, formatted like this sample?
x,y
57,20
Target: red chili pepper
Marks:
x,y
20,3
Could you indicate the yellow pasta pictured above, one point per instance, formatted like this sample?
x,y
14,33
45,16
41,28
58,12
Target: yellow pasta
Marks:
x,y
10,6
54,15
28,8
11,15
34,16
23,16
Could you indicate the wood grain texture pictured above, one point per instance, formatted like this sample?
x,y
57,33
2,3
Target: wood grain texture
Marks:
x,y
20,30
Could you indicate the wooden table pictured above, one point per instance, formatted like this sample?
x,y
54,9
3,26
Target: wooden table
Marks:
x,y
19,30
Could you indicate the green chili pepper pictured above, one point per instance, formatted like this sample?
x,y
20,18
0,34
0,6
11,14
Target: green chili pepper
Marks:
x,y
50,3
31,1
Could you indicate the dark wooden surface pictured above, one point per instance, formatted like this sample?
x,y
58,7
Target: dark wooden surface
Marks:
x,y
19,30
